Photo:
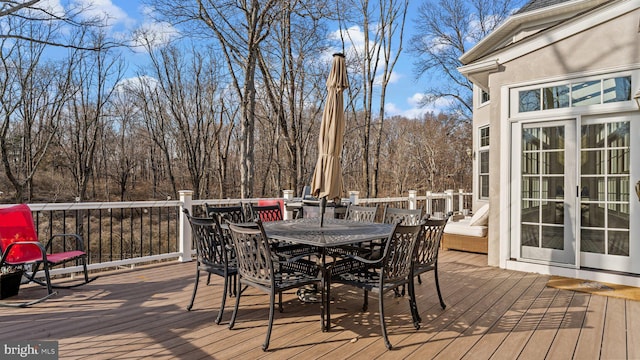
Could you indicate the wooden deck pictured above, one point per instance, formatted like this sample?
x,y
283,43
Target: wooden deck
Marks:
x,y
491,314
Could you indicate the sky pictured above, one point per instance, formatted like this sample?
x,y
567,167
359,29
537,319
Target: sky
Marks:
x,y
403,93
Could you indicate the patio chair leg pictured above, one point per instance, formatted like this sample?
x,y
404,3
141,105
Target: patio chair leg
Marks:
x,y
209,279
235,309
382,324
419,280
413,305
272,305
435,272
365,306
280,308
224,298
195,289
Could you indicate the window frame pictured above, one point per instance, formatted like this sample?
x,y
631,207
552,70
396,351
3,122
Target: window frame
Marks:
x,y
483,150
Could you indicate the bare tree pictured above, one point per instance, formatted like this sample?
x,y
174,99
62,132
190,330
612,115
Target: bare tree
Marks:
x,y
94,82
446,29
61,19
240,28
382,24
393,15
32,93
294,84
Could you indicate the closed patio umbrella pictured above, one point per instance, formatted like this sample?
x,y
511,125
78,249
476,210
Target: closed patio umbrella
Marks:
x,y
327,177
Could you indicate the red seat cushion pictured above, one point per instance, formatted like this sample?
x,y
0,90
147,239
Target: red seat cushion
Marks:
x,y
64,256
16,224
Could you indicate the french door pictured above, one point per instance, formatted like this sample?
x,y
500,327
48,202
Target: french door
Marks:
x,y
574,185
544,225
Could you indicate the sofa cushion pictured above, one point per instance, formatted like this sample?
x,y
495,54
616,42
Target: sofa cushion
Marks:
x,y
463,227
481,217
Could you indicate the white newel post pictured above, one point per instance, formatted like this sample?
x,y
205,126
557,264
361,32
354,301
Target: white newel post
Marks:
x,y
353,197
413,200
449,201
288,196
460,200
185,229
428,207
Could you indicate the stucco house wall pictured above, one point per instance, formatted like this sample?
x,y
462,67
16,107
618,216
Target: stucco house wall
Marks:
x,y
598,49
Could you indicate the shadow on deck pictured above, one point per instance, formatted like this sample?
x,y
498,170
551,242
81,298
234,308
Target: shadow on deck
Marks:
x,y
491,313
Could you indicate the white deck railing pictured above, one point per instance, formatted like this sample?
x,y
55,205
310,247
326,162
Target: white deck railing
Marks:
x,y
172,226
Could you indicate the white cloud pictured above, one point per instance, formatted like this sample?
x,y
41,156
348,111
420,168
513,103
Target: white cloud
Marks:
x,y
154,34
105,9
137,83
414,108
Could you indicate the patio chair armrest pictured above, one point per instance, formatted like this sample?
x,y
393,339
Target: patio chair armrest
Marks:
x,y
79,242
362,260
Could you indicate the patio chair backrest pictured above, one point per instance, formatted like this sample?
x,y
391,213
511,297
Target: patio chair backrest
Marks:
x,y
211,247
398,253
16,225
253,252
361,213
272,212
233,214
403,216
426,252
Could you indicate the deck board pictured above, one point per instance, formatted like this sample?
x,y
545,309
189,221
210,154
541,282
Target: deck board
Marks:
x,y
491,314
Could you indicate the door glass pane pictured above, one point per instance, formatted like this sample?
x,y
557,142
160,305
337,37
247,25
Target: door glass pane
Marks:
x,y
619,161
618,189
618,216
553,237
618,243
619,134
553,162
553,187
592,136
553,137
592,189
592,215
592,241
531,139
530,211
592,162
553,212
529,235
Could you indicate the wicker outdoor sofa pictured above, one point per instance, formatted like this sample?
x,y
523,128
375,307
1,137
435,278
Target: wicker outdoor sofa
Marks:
x,y
468,234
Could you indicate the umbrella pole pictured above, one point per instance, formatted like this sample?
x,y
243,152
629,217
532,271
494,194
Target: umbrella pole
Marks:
x,y
323,206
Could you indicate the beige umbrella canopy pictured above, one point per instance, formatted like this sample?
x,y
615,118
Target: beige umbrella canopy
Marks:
x,y
327,177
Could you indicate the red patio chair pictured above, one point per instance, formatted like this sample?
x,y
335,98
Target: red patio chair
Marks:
x,y
20,247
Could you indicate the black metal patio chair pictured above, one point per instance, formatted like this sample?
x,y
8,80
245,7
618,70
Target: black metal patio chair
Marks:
x,y
393,269
214,256
403,216
426,253
262,268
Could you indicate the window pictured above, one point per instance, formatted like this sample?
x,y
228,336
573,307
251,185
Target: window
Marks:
x,y
574,94
484,97
483,163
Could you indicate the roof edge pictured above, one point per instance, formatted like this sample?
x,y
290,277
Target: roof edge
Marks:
x,y
554,13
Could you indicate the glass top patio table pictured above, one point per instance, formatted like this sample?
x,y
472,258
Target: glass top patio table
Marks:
x,y
334,232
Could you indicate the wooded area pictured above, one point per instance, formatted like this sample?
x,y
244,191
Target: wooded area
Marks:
x,y
230,109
